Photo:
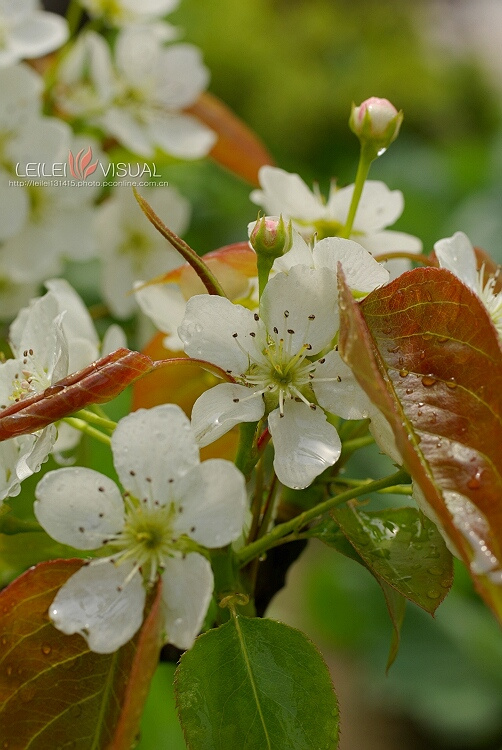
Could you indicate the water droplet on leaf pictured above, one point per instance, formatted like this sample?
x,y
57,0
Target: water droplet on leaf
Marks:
x,y
428,381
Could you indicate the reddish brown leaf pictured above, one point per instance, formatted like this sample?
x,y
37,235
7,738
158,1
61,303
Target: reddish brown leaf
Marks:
x,y
237,148
99,382
426,352
54,692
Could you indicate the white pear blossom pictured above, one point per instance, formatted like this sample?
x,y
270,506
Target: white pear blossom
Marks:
x,y
457,255
121,12
26,31
284,363
173,505
130,248
138,95
58,225
286,194
51,337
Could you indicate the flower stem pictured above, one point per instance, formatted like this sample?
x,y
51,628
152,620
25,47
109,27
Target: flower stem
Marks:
x,y
250,551
74,16
97,419
366,156
80,424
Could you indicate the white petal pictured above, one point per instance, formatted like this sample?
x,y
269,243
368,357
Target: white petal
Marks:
x,y
384,436
35,451
187,587
113,339
304,302
182,135
165,305
79,507
342,395
38,34
216,411
90,603
182,76
305,444
286,194
389,241
379,207
151,448
15,206
10,484
361,270
77,323
127,130
299,254
213,501
456,254
208,332
21,96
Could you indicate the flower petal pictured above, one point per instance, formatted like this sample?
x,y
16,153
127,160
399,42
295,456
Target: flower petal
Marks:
x,y
218,331
301,307
286,194
220,408
165,305
456,254
151,448
90,603
187,587
361,270
212,499
79,507
182,135
305,444
342,394
379,207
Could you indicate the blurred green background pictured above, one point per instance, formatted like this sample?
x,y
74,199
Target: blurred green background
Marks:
x,y
290,69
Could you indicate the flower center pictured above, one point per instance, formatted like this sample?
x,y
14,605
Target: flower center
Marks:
x,y
146,538
30,379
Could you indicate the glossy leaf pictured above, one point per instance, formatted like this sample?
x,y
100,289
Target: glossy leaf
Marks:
x,y
331,534
256,684
54,692
426,352
95,384
237,148
404,548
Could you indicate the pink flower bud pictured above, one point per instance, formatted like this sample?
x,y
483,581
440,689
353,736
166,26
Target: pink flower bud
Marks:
x,y
271,237
376,122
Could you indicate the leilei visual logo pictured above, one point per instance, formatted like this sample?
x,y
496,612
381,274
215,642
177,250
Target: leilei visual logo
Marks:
x,y
80,166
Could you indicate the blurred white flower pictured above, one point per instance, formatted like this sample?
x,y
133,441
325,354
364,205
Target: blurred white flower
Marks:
x,y
27,32
130,248
121,12
457,255
287,195
58,223
173,504
137,97
284,363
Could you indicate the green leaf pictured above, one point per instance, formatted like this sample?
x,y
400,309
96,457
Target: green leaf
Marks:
x,y
54,692
329,532
256,684
426,352
404,548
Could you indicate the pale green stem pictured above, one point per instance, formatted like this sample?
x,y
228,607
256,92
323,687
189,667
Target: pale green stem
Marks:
x,y
255,549
73,16
365,159
79,424
97,419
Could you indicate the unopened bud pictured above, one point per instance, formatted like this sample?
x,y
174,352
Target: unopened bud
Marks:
x,y
376,123
271,237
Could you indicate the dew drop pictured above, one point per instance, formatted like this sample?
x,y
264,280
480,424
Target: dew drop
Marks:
x,y
433,594
401,362
8,670
198,328
427,336
46,649
75,712
474,482
4,640
393,350
443,339
451,383
403,373
435,570
409,391
422,354
428,381
446,583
